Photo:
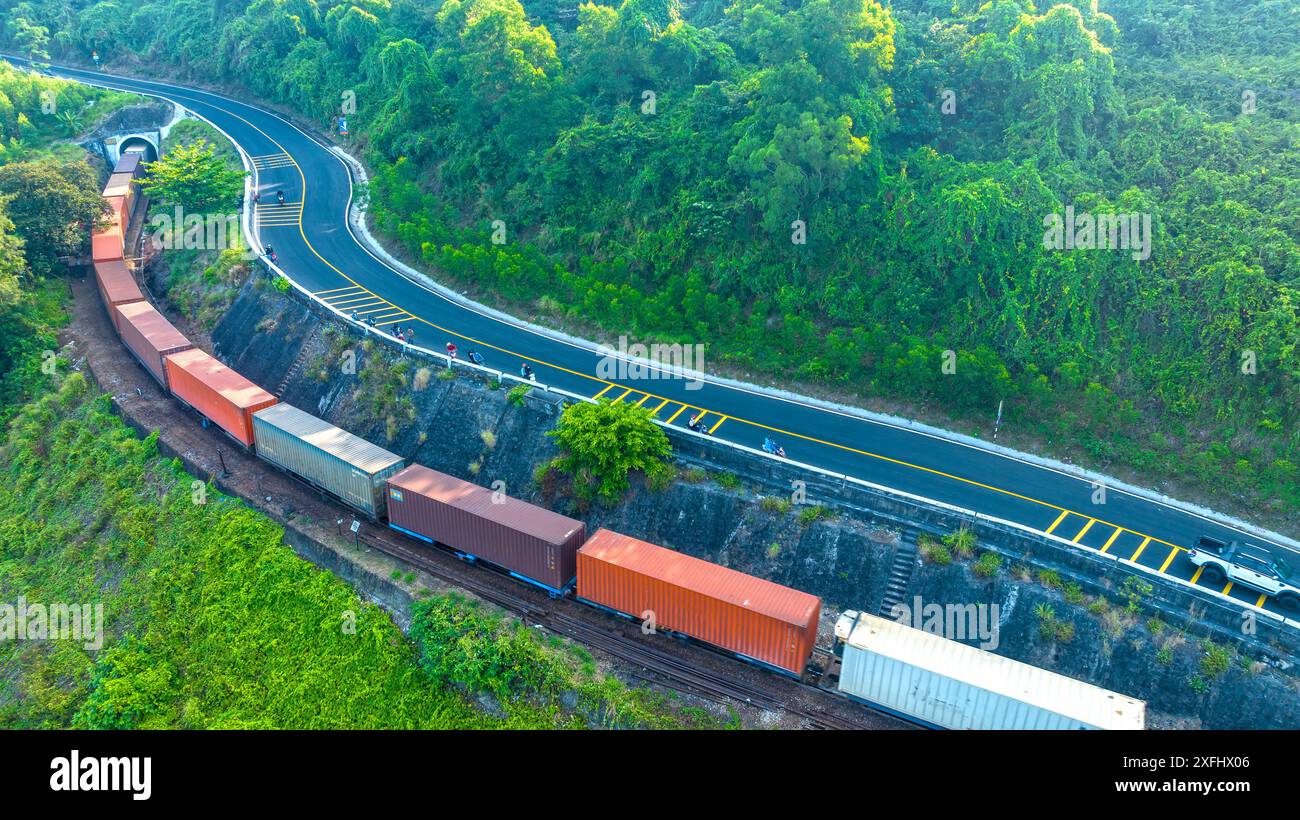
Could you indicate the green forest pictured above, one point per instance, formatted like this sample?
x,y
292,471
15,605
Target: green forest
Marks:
x,y
833,192
208,619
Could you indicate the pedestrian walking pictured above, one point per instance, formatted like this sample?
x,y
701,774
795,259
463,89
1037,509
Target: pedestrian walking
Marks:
x,y
451,350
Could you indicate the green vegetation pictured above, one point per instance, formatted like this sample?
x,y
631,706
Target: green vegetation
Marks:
x,y
1051,628
813,514
933,550
212,622
648,163
517,393
962,542
602,443
196,178
773,503
835,193
463,646
1216,660
987,565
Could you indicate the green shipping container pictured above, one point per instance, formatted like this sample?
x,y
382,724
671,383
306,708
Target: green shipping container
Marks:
x,y
346,466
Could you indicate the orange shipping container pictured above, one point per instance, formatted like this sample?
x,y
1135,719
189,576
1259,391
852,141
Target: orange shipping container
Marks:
x,y
754,618
116,287
149,335
223,396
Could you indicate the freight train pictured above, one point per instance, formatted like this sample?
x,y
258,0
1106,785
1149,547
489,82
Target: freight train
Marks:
x,y
751,618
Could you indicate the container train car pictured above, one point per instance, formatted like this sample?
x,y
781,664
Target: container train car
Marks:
x,y
149,336
755,619
346,466
748,617
530,542
936,682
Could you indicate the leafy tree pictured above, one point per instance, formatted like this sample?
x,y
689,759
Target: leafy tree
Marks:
x,y
602,443
53,206
194,177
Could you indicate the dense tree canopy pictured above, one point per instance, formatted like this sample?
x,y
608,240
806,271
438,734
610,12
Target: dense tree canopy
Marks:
x,y
835,190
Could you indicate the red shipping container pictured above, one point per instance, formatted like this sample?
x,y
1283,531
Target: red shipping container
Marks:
x,y
754,618
532,543
223,396
116,287
149,335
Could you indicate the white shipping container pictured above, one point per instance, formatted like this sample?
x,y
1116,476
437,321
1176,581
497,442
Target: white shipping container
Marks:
x,y
951,685
329,457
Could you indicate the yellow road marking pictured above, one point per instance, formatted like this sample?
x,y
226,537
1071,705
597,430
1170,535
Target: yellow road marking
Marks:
x,y
1141,547
364,303
399,313
643,400
655,411
393,322
1086,527
675,415
719,424
621,397
1197,576
1112,538
1262,597
335,290
379,309
303,233
608,387
1058,521
351,300
1168,560
1228,588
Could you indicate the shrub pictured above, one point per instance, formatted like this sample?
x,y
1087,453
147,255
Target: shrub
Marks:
x,y
602,443
933,550
988,565
773,503
517,393
811,515
962,542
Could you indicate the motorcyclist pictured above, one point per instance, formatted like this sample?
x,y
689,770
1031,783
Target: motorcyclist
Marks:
x,y
279,197
270,253
770,446
697,423
475,357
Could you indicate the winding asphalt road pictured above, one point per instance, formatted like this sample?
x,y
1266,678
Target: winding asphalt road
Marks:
x,y
316,248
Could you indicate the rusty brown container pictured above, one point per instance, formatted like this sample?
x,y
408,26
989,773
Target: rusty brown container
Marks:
x,y
129,164
530,542
116,287
756,619
218,393
149,336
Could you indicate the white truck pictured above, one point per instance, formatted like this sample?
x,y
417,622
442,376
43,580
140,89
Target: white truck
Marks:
x,y
1248,565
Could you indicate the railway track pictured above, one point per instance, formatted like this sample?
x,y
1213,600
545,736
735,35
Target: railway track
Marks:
x,y
663,667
